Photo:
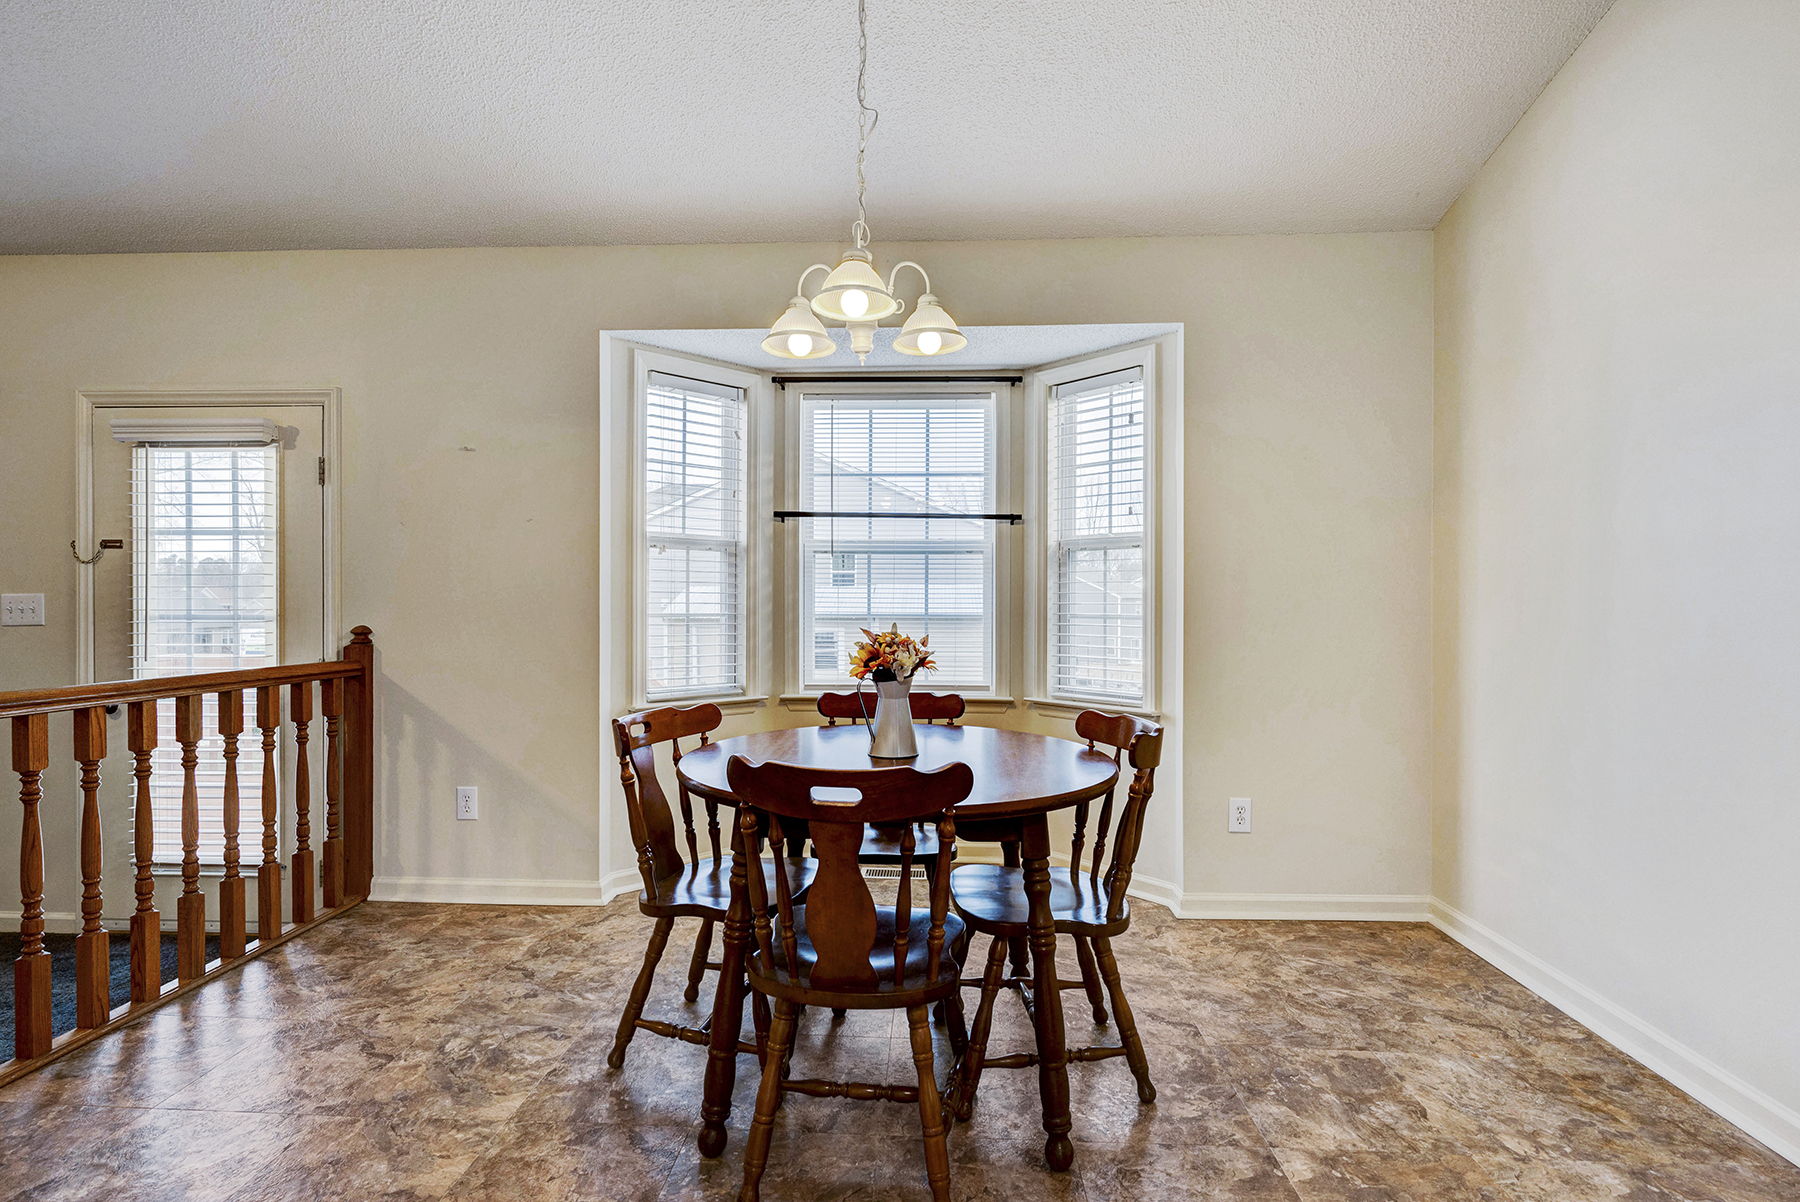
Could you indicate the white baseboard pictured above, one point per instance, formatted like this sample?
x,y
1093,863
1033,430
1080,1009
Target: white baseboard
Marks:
x,y
1764,1117
475,891
56,922
624,880
1315,907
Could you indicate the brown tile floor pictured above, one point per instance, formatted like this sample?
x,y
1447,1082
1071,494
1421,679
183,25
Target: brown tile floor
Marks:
x,y
459,1052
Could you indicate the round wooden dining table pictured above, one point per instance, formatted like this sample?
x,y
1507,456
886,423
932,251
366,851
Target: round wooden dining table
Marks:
x,y
1020,779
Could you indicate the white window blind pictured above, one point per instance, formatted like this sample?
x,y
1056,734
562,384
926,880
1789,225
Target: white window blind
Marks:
x,y
205,598
693,521
1096,539
931,575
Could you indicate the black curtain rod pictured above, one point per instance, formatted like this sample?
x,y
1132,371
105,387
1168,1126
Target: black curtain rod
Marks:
x,y
872,378
782,515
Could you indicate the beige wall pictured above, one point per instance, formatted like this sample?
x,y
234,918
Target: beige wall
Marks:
x,y
1618,541
1308,434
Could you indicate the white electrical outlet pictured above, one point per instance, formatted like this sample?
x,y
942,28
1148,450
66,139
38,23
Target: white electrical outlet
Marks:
x,y
1237,819
21,609
468,806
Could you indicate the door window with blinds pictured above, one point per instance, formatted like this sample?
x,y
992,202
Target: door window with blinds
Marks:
x,y
693,558
925,460
1095,572
206,597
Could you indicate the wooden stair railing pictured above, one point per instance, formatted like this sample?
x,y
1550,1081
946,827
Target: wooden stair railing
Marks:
x,y
346,688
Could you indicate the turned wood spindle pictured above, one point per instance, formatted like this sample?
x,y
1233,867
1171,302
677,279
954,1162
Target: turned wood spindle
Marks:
x,y
146,923
231,886
331,704
190,908
268,873
93,964
31,971
300,710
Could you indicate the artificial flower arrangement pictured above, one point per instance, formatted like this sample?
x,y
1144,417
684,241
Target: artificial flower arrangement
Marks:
x,y
890,655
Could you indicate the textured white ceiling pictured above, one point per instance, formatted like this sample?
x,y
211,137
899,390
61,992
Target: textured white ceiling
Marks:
x,y
226,124
989,347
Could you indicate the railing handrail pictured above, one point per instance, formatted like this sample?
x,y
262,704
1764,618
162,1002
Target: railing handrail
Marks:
x,y
341,869
117,692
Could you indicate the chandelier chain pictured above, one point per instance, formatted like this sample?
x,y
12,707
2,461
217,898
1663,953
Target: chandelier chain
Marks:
x,y
866,120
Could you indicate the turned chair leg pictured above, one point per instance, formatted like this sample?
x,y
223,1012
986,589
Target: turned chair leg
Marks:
x,y
1128,1034
768,1101
959,1025
759,1018
1090,978
1021,958
970,1077
640,991
697,966
931,1113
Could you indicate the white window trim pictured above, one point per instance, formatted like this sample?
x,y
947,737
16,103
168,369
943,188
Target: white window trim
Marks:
x,y
1005,396
752,580
1039,387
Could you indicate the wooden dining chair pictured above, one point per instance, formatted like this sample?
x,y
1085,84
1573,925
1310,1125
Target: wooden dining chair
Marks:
x,y
946,708
881,844
840,948
1088,905
675,886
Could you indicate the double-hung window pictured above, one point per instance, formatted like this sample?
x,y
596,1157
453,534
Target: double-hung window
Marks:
x,y
1095,573
694,565
926,460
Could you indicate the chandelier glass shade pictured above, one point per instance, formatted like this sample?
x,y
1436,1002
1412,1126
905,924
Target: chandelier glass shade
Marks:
x,y
929,331
854,292
797,334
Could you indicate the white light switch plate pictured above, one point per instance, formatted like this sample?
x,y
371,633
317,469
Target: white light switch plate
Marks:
x,y
468,805
21,609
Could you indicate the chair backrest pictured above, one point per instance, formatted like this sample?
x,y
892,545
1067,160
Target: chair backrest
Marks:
x,y
841,921
859,708
635,738
1136,742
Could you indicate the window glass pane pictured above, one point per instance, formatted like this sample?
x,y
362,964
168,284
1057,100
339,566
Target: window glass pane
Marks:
x,y
205,598
932,575
694,537
1096,490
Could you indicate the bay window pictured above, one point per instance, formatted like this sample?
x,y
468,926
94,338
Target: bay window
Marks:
x,y
777,517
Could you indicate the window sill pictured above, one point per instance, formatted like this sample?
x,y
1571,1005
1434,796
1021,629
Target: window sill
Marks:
x,y
980,703
1069,707
736,703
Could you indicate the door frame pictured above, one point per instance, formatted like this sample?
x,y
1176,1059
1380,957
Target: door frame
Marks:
x,y
90,404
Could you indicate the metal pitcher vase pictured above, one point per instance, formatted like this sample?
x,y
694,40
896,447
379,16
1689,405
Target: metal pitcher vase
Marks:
x,y
891,730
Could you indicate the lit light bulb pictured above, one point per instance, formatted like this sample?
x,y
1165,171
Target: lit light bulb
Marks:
x,y
930,342
855,302
799,345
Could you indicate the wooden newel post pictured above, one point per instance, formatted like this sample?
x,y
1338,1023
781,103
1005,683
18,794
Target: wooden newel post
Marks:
x,y
190,907
93,963
31,971
359,768
231,887
146,923
300,711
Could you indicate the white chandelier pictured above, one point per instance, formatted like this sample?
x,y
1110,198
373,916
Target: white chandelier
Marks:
x,y
853,293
